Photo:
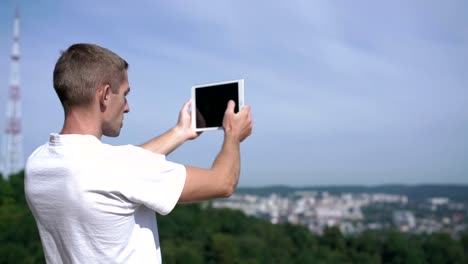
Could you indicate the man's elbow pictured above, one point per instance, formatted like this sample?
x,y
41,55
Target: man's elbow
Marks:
x,y
227,184
228,190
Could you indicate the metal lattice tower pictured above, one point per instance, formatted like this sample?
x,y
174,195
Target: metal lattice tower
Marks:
x,y
12,147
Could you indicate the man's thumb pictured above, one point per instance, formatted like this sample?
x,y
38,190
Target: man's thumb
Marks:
x,y
230,106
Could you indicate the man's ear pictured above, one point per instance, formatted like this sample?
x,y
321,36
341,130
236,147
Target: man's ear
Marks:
x,y
103,96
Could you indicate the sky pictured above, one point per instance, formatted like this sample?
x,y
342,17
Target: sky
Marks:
x,y
342,92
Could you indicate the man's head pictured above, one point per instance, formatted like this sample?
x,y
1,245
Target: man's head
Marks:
x,y
87,73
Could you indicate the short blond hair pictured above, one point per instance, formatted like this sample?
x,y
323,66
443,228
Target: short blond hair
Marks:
x,y
82,68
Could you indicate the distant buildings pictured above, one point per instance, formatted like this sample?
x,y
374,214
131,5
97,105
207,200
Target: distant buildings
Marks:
x,y
404,220
317,211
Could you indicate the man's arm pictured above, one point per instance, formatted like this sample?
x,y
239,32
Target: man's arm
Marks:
x,y
221,179
174,137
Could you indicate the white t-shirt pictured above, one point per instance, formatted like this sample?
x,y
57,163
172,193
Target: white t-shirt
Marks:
x,y
96,203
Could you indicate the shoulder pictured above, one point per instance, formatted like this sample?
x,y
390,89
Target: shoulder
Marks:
x,y
130,157
37,155
131,152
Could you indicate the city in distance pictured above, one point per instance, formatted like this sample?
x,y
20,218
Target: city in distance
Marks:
x,y
420,209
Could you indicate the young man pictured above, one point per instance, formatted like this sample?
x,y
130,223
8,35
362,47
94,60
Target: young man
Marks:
x,y
96,203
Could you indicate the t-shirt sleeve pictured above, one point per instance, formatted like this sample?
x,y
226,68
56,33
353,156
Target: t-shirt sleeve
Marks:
x,y
148,178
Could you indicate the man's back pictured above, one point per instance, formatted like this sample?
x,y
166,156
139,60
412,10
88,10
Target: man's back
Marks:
x,y
95,203
85,206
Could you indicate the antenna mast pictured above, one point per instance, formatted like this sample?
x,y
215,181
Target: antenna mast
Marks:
x,y
12,149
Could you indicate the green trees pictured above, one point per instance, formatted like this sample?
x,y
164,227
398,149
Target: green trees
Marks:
x,y
198,233
440,248
225,236
19,237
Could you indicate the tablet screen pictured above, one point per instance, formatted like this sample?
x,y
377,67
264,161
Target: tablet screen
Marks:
x,y
211,103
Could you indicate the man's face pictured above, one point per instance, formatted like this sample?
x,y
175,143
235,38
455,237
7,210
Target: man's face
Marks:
x,y
117,107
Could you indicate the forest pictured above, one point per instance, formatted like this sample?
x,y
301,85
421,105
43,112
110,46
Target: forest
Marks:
x,y
198,233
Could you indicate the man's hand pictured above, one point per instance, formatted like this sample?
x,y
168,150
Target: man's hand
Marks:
x,y
237,125
184,124
174,137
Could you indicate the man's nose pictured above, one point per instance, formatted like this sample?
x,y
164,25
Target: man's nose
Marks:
x,y
127,108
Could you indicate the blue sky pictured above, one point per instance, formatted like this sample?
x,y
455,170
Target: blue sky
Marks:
x,y
342,92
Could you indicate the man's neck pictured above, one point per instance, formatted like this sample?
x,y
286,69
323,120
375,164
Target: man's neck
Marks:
x,y
82,122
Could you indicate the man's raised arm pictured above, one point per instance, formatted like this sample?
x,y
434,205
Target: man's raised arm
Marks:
x,y
222,178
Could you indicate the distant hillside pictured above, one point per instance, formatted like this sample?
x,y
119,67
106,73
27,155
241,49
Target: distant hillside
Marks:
x,y
414,192
199,233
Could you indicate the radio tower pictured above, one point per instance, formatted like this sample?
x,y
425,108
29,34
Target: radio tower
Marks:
x,y
12,149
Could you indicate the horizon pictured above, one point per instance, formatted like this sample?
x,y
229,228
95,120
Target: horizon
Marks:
x,y
361,185
358,93
425,184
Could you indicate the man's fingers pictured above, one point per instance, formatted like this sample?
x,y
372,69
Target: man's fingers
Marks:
x,y
246,108
230,106
187,105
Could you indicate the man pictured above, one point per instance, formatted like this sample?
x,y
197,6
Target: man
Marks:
x,y
95,203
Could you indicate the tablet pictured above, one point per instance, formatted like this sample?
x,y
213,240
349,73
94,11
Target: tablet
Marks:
x,y
209,102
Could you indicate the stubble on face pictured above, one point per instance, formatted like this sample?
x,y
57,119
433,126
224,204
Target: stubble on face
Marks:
x,y
118,108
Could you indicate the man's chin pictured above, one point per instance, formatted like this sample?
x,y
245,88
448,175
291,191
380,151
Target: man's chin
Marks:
x,y
111,133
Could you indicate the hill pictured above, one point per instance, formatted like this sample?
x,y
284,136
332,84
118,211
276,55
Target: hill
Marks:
x,y
198,233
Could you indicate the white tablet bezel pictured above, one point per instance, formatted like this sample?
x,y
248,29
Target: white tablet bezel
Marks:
x,y
194,101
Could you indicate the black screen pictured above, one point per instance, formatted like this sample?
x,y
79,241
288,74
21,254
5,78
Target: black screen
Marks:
x,y
212,101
